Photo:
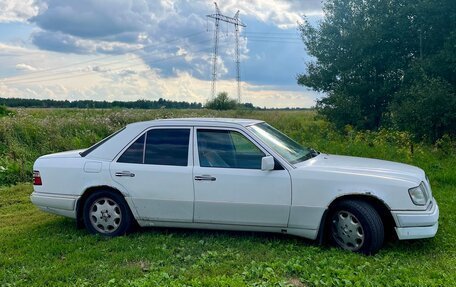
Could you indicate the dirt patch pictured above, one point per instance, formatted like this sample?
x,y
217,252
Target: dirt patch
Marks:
x,y
296,282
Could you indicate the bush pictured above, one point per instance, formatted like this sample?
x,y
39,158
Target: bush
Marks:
x,y
221,102
4,111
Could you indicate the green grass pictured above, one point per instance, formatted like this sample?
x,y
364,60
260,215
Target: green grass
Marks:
x,y
39,249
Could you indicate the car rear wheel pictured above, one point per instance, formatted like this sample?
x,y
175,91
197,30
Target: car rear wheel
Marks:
x,y
356,226
107,213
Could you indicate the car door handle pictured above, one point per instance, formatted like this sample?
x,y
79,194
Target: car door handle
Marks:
x,y
205,178
125,173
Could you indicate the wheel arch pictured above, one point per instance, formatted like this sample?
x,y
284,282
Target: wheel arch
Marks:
x,y
379,205
89,191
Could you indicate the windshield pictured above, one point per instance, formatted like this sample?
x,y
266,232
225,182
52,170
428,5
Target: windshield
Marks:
x,y
282,144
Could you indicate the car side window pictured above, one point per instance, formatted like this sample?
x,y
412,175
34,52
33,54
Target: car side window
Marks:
x,y
134,153
227,149
167,147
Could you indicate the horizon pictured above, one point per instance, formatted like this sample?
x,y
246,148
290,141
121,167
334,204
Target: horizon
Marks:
x,y
27,103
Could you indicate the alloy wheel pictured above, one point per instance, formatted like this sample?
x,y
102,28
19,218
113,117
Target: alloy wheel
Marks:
x,y
347,231
105,215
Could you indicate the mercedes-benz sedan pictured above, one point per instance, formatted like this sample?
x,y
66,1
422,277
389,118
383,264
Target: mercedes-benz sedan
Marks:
x,y
234,174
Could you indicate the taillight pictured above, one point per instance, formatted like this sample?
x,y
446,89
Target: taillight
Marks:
x,y
37,178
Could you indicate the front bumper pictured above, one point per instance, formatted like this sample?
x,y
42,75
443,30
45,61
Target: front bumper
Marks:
x,y
417,224
60,204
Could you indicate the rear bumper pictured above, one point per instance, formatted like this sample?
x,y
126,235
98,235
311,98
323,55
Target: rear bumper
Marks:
x,y
60,204
417,224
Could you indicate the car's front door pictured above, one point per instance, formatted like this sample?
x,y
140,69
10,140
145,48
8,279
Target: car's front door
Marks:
x,y
156,169
231,188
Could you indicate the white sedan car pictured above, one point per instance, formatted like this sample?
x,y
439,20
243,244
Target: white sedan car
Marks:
x,y
235,174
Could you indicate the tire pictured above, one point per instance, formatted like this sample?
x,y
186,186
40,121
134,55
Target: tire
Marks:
x,y
107,213
356,226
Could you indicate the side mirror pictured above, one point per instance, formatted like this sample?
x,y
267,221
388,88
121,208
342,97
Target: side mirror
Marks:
x,y
267,163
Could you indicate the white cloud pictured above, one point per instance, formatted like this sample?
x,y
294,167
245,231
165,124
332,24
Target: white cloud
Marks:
x,y
59,42
93,26
17,11
25,67
282,13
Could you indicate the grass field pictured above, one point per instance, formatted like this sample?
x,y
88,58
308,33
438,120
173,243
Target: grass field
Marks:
x,y
39,249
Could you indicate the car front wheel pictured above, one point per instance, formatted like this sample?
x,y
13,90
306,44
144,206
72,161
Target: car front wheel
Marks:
x,y
107,213
356,226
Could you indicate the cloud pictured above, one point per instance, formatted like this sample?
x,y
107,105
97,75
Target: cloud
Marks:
x,y
117,20
90,26
163,27
18,11
281,13
59,42
95,19
137,20
25,67
99,81
308,7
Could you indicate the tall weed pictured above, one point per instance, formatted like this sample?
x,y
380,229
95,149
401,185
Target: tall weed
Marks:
x,y
26,134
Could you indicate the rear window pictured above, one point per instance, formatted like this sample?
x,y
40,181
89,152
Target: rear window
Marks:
x,y
162,147
134,153
95,146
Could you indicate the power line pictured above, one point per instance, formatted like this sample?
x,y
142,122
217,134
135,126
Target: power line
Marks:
x,y
44,78
267,37
20,80
263,33
272,37
253,38
268,32
115,69
188,36
275,41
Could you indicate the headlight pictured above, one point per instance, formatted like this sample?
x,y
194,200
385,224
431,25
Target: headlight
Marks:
x,y
418,194
429,189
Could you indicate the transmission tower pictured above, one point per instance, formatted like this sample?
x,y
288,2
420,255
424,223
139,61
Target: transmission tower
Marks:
x,y
236,22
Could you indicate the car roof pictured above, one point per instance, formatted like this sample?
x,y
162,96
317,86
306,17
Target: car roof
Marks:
x,y
197,121
109,149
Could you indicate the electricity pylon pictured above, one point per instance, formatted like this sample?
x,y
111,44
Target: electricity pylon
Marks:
x,y
236,22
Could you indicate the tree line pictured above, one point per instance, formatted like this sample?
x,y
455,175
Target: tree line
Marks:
x,y
389,63
221,102
89,104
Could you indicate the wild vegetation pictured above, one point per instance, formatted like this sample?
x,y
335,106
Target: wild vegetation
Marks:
x,y
41,249
385,63
26,134
221,102
90,104
4,111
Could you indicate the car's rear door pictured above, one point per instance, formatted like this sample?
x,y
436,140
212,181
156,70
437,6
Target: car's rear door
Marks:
x,y
156,169
230,187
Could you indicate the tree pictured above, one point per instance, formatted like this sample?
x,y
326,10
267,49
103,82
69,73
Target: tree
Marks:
x,y
221,102
427,108
365,49
89,104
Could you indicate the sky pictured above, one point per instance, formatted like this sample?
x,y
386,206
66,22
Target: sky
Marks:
x,y
138,49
